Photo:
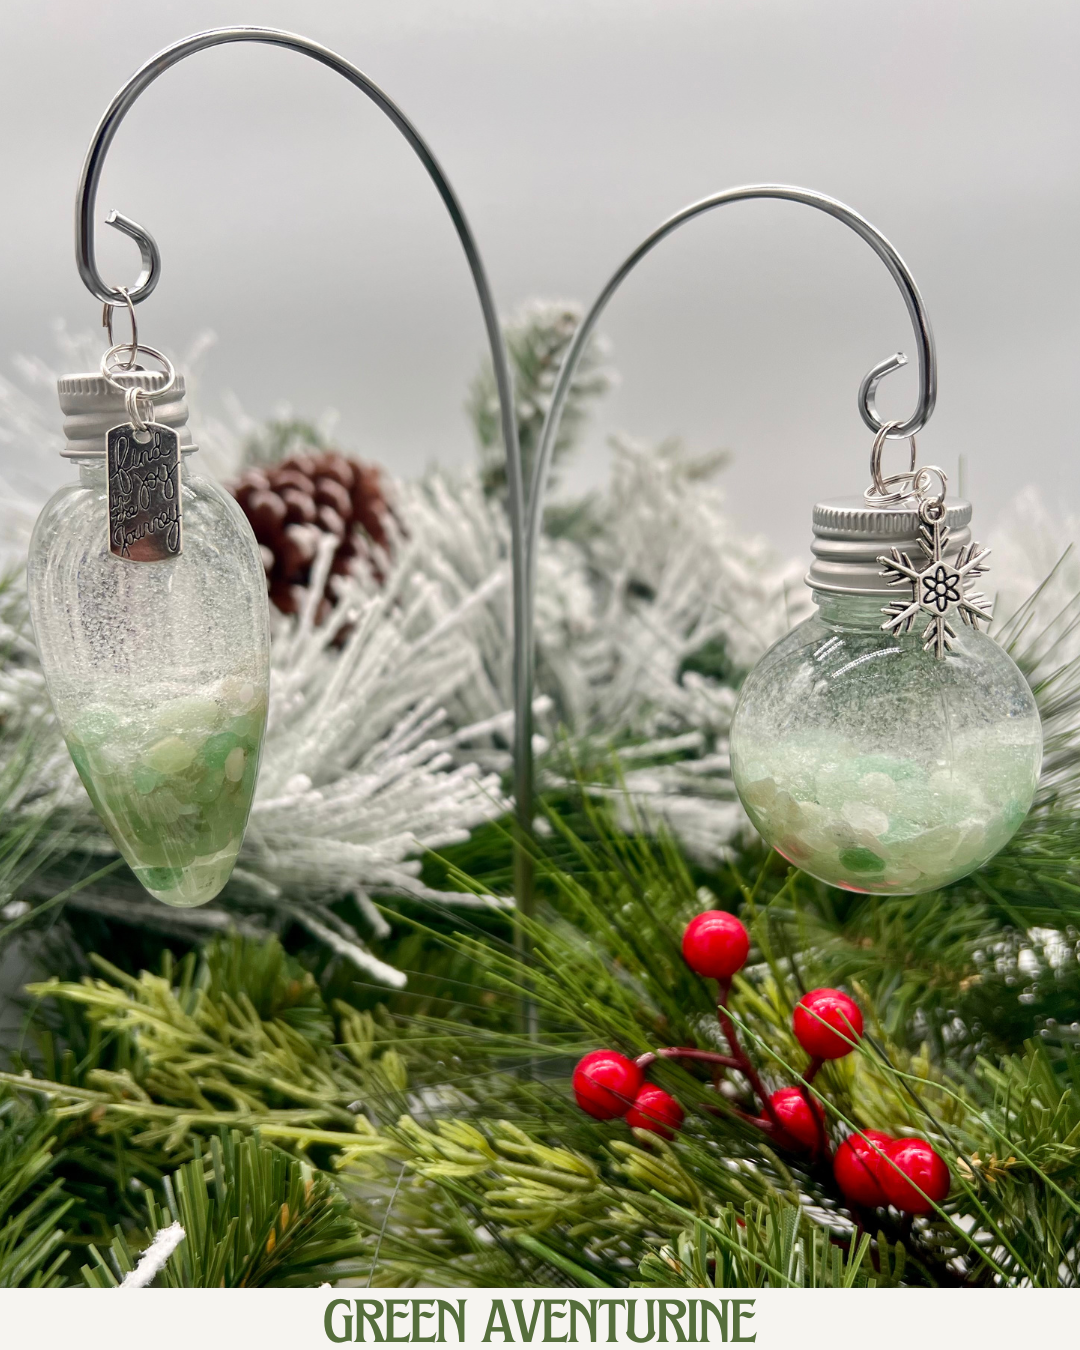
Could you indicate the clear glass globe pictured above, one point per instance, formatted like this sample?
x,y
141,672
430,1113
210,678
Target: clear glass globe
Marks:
x,y
874,766
159,676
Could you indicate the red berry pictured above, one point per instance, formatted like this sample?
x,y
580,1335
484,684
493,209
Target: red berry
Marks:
x,y
826,1022
858,1165
715,944
921,1170
606,1083
654,1109
798,1119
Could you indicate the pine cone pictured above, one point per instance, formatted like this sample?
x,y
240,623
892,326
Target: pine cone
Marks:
x,y
292,503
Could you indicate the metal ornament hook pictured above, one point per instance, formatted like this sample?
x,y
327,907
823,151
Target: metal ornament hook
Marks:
x,y
898,270
85,204
868,391
148,251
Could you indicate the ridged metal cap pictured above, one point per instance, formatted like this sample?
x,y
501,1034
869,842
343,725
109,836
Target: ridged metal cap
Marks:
x,y
849,536
91,407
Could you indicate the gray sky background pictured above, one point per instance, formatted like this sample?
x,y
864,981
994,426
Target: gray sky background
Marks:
x,y
295,223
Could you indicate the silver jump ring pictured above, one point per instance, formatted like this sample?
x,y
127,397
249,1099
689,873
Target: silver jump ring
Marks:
x,y
878,493
132,393
109,373
131,406
107,323
931,509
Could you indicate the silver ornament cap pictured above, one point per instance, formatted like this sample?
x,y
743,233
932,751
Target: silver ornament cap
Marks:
x,y
850,536
92,406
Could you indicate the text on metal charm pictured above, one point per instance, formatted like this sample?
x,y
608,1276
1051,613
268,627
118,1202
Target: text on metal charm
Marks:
x,y
144,493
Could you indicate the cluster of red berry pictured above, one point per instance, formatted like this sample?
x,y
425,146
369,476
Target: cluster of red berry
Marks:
x,y
871,1169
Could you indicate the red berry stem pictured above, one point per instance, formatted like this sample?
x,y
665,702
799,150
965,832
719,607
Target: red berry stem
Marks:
x,y
687,1052
730,1109
773,1128
779,1136
823,1139
808,1097
743,1062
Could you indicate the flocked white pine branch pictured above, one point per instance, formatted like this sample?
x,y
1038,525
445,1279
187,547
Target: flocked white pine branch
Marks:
x,y
154,1259
390,725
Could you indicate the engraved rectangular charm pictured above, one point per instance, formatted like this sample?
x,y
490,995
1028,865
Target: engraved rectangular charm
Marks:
x,y
144,493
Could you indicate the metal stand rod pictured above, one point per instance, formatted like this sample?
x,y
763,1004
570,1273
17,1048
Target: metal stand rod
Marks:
x,y
148,279
542,464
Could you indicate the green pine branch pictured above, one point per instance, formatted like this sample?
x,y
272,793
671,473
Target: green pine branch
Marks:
x,y
537,338
252,1217
32,1202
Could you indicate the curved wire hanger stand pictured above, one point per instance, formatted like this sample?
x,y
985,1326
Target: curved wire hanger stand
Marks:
x,y
867,391
151,271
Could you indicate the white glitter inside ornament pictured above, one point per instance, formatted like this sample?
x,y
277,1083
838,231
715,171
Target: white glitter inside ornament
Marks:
x,y
158,671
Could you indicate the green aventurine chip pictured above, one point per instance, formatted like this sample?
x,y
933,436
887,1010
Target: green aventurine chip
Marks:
x,y
861,860
159,878
234,764
209,786
249,726
186,716
176,796
218,749
171,755
146,779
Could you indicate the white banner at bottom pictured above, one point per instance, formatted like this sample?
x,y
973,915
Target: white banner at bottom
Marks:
x,y
205,1319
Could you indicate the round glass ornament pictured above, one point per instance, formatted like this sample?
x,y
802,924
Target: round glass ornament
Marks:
x,y
158,671
887,755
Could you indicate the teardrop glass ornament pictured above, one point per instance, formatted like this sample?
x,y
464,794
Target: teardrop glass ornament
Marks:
x,y
158,671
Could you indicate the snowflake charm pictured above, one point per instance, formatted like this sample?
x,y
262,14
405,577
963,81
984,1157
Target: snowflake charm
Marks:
x,y
940,588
